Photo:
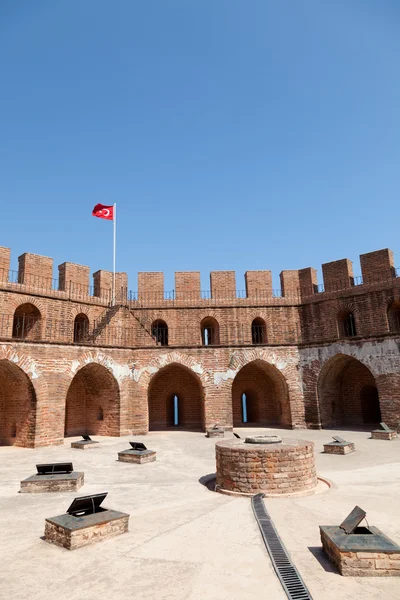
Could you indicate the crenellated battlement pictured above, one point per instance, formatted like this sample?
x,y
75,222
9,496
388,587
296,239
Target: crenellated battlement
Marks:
x,y
35,275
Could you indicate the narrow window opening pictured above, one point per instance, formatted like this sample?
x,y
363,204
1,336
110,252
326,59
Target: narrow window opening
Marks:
x,y
176,410
258,331
81,328
244,408
159,331
394,316
100,414
347,324
209,332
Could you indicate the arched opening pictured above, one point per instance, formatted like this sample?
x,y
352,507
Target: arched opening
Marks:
x,y
370,408
17,407
346,324
159,331
209,332
26,322
175,399
81,328
258,331
260,396
394,316
93,403
347,393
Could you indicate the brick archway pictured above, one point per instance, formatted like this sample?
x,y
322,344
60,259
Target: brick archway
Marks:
x,y
347,393
93,402
176,380
267,397
17,406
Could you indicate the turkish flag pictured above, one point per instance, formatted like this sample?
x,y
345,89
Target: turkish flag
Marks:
x,y
103,212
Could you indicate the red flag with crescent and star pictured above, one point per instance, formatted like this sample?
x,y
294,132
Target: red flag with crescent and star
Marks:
x,y
103,212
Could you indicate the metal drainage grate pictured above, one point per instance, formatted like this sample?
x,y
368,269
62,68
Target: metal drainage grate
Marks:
x,y
288,575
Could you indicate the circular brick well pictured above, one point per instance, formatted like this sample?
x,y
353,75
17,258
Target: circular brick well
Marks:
x,y
275,469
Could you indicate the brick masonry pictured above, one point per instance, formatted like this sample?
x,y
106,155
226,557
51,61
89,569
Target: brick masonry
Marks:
x,y
119,379
75,532
139,458
361,563
38,484
213,433
333,448
383,435
275,469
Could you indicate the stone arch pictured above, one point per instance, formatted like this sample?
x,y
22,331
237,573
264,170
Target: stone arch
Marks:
x,y
209,328
27,321
16,301
346,317
79,309
266,392
81,328
93,393
18,406
159,331
176,380
347,393
144,374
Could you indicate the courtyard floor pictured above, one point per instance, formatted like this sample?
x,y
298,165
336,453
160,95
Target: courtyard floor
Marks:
x,y
186,542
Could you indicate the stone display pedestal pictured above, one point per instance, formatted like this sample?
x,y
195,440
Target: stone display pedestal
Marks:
x,y
63,482
212,433
339,448
136,456
381,434
84,445
74,532
364,553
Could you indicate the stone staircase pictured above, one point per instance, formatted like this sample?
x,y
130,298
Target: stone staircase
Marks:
x,y
104,320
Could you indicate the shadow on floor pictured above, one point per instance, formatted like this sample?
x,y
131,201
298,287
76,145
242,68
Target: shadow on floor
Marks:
x,y
209,481
323,560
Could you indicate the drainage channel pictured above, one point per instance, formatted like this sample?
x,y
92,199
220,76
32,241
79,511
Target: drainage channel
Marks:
x,y
288,575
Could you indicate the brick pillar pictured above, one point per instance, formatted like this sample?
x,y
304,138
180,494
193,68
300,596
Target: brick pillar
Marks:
x,y
258,284
73,279
151,287
338,275
103,286
4,263
290,284
389,398
308,282
223,285
377,266
187,286
35,271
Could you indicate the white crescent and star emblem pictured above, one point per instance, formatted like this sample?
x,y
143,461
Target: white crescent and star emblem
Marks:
x,y
106,212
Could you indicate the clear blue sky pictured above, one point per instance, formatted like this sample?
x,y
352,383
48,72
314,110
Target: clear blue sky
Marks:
x,y
233,134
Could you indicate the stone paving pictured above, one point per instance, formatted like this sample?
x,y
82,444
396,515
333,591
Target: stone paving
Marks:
x,y
186,542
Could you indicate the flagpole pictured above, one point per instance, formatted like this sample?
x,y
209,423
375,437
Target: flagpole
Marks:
x,y
114,252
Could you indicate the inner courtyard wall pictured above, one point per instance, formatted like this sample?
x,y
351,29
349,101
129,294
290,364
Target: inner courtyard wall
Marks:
x,y
301,336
